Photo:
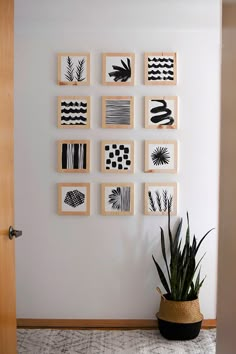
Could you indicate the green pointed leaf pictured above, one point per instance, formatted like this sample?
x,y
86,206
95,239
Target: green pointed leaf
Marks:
x,y
161,276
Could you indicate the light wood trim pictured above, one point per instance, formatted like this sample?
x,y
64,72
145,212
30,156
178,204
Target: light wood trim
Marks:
x,y
110,142
117,213
118,98
79,98
7,247
229,16
159,54
74,83
87,211
146,199
132,64
171,98
69,170
97,324
160,142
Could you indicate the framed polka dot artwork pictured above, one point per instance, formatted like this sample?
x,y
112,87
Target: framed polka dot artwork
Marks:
x,y
117,156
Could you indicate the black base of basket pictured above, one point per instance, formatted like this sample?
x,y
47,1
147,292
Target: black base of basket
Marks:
x,y
179,331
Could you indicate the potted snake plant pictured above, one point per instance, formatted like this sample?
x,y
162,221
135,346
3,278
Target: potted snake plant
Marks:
x,y
179,316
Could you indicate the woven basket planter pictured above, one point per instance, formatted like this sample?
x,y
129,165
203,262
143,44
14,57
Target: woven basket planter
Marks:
x,y
179,320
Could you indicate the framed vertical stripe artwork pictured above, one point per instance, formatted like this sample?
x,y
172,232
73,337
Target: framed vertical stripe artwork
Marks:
x,y
118,112
117,199
74,156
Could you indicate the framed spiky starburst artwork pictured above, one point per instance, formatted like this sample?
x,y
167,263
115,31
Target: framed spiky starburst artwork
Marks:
x,y
74,69
117,199
161,156
118,69
157,198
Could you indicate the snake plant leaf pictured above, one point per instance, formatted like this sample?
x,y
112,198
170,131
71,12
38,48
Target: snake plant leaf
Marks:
x,y
202,239
163,248
162,276
169,231
177,235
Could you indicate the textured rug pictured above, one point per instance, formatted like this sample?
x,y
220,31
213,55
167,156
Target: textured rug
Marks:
x,y
49,341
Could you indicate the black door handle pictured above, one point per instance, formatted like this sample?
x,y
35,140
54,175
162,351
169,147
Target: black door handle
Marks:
x,y
14,233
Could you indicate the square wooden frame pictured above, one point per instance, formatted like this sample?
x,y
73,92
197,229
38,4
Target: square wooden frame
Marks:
x,y
111,142
60,169
146,199
159,142
74,83
117,126
149,126
118,213
61,98
160,54
131,82
60,211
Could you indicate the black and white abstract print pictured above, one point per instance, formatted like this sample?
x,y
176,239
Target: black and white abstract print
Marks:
x,y
118,157
161,156
118,68
159,198
119,199
74,156
74,198
74,69
160,68
161,112
118,112
74,112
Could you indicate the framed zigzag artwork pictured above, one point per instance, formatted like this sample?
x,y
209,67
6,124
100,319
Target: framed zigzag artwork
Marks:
x,y
118,69
74,156
117,199
160,69
161,112
73,198
74,112
158,196
74,69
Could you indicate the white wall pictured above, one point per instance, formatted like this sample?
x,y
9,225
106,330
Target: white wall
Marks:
x,y
101,267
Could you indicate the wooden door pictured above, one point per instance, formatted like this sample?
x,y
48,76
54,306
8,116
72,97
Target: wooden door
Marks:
x,y
7,246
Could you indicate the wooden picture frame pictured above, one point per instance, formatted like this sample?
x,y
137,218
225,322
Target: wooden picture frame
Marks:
x,y
161,112
160,68
117,156
157,196
74,199
161,156
118,69
118,112
73,112
74,69
74,156
117,199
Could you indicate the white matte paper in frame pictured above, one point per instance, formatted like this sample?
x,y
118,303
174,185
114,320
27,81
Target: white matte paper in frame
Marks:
x,y
166,109
117,198
161,156
158,197
115,61
74,69
76,196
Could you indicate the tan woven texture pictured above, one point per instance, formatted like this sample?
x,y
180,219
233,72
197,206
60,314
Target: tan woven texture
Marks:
x,y
180,311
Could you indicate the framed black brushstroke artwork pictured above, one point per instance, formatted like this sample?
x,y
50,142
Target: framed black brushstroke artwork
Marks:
x,y
74,156
160,69
74,112
74,69
161,112
158,196
117,156
161,156
74,199
118,69
117,199
118,112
